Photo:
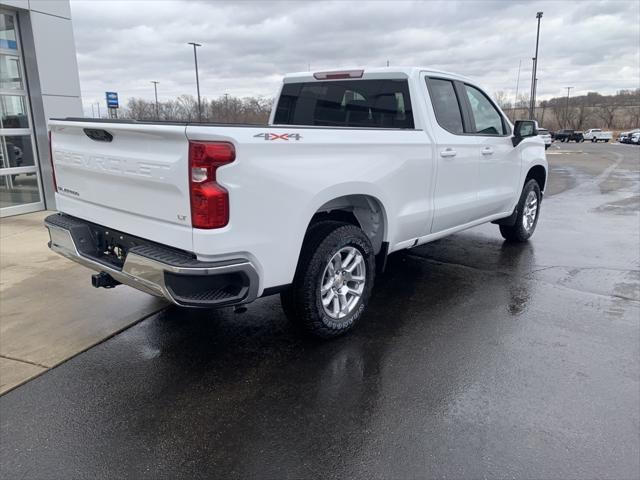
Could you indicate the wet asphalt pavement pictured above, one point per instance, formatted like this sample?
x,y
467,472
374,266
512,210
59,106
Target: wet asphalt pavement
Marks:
x,y
477,359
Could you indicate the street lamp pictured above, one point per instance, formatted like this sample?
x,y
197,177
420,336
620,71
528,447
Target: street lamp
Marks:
x,y
155,88
566,110
532,105
195,58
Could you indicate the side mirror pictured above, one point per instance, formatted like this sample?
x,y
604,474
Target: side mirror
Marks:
x,y
524,129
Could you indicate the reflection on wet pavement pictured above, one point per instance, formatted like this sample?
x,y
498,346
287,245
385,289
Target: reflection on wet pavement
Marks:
x,y
477,358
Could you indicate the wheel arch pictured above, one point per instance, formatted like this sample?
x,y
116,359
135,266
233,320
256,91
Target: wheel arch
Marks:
x,y
539,174
362,210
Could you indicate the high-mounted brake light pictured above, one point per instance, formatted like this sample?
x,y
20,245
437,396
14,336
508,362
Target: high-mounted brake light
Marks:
x,y
53,165
338,75
209,201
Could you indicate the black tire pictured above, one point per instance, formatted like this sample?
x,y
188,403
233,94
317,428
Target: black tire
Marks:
x,y
517,232
606,141
302,302
594,140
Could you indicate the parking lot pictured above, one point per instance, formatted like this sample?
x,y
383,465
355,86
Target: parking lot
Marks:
x,y
477,358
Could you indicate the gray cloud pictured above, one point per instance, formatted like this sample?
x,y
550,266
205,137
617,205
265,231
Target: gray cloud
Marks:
x,y
248,46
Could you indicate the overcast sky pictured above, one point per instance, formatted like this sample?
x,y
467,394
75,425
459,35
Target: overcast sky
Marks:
x,y
248,46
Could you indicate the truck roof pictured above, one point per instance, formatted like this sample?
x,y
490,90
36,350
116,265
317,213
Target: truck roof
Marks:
x,y
373,73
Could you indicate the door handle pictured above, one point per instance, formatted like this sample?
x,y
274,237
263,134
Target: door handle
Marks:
x,y
448,152
487,151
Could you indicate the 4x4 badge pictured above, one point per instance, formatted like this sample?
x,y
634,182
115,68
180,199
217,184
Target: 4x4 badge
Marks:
x,y
279,136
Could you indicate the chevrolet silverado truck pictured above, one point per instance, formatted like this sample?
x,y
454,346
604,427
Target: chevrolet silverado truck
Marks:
x,y
597,135
353,166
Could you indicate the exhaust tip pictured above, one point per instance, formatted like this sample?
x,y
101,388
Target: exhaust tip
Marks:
x,y
103,280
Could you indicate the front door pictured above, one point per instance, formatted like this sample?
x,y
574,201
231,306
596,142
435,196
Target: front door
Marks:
x,y
497,182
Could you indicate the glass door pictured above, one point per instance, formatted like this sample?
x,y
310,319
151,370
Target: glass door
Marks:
x,y
20,188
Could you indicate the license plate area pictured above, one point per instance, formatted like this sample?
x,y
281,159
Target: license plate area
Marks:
x,y
107,246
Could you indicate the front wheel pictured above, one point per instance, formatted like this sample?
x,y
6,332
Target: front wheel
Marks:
x,y
333,281
528,211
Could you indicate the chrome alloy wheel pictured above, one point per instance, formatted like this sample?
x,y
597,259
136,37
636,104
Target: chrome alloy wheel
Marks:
x,y
343,282
530,211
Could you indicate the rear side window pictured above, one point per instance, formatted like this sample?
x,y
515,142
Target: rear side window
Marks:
x,y
445,104
488,120
349,103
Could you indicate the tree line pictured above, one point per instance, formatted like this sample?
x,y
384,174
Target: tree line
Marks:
x,y
593,110
225,109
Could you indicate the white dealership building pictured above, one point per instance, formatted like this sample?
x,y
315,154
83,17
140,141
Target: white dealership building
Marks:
x,y
38,80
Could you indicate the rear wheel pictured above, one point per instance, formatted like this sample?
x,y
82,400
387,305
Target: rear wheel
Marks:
x,y
333,281
528,211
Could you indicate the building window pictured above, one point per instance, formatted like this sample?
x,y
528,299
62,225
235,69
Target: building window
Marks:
x,y
20,186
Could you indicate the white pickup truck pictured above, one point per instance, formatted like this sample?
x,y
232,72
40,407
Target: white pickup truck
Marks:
x,y
596,135
352,166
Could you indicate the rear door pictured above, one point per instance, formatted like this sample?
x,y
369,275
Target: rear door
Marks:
x,y
455,193
498,161
127,176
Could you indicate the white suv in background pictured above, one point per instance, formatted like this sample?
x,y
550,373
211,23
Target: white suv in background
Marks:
x,y
546,136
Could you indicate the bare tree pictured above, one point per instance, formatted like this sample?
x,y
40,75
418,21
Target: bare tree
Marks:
x,y
502,99
580,114
607,113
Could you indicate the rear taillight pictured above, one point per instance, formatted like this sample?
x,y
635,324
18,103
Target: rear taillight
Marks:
x,y
53,166
209,201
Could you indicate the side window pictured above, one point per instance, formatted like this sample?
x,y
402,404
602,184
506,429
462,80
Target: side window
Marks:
x,y
445,104
487,119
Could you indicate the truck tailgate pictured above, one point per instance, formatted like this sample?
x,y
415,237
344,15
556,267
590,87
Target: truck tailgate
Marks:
x,y
133,178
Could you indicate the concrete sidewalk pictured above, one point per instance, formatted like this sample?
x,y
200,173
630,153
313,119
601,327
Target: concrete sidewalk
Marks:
x,y
48,309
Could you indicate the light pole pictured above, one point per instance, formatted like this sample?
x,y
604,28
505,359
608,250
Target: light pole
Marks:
x,y
566,110
532,105
195,58
155,88
515,100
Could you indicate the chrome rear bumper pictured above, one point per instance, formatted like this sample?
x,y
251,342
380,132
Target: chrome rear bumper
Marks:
x,y
160,271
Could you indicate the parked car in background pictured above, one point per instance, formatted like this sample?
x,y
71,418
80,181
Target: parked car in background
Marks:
x,y
635,138
625,137
568,135
546,136
350,167
597,135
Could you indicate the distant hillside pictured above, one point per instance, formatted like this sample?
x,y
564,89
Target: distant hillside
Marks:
x,y
619,112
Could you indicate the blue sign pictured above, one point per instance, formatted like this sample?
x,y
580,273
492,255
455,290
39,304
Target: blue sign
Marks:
x,y
112,99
